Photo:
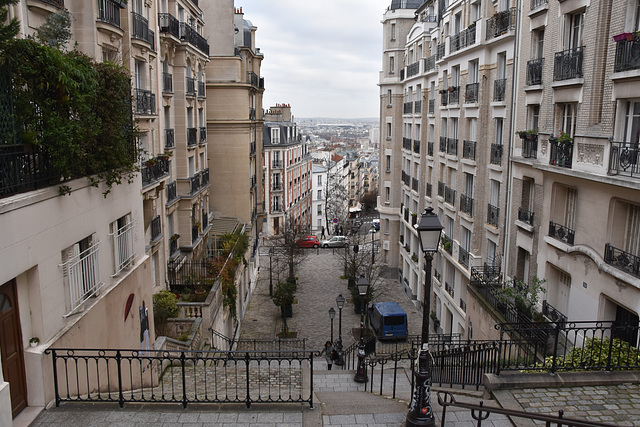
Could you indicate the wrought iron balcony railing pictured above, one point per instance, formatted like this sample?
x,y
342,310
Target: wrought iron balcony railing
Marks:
x,y
169,139
430,148
172,192
568,64
414,184
562,233
252,148
466,204
408,108
432,106
538,3
191,86
530,147
429,63
454,94
628,53
469,150
154,169
525,216
443,144
25,168
485,276
471,92
452,146
440,51
192,137
534,71
501,23
203,135
173,244
167,82
276,164
417,107
429,189
444,97
561,153
253,79
553,314
108,11
156,228
413,69
168,24
202,91
625,261
450,290
499,89
191,36
496,154
450,195
145,102
406,143
141,30
624,159
463,303
464,38
441,188
252,114
493,215
416,146
463,256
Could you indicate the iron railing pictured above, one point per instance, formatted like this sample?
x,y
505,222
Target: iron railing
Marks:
x,y
525,216
568,64
429,189
562,233
530,147
192,136
169,139
534,71
408,108
471,92
432,106
414,185
538,3
141,30
406,143
413,69
443,144
154,169
202,90
553,314
183,377
173,244
450,195
222,343
417,107
463,256
501,23
191,86
440,51
56,3
429,63
416,146
167,82
156,228
452,146
444,97
464,38
109,11
469,150
496,154
145,102
493,215
454,94
628,53
191,36
203,134
168,24
466,204
441,189
24,168
172,192
561,153
499,89
624,159
625,261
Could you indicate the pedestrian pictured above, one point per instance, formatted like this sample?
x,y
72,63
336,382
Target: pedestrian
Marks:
x,y
322,236
329,354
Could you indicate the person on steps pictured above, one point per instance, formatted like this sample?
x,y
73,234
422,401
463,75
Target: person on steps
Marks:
x,y
329,354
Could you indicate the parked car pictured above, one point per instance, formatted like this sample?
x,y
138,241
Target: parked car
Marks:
x,y
308,242
335,242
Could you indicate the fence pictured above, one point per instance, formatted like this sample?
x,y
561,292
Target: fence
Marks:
x,y
90,375
221,342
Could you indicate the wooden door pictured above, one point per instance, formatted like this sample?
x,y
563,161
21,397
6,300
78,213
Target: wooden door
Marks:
x,y
11,347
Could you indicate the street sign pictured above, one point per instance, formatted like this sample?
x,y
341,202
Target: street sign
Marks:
x,y
335,220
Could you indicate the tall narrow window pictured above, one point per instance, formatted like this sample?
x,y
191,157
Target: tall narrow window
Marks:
x,y
573,30
537,41
392,65
122,234
81,271
393,32
389,97
499,130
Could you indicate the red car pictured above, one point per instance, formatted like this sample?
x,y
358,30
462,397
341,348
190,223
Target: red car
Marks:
x,y
308,242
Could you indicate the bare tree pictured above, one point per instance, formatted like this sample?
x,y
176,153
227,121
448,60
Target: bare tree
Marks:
x,y
336,198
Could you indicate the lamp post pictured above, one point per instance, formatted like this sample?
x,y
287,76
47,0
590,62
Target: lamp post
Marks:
x,y
332,314
420,410
361,371
270,275
340,303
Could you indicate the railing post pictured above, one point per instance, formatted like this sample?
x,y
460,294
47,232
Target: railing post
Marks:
x,y
613,325
184,380
311,380
555,347
119,363
55,377
246,360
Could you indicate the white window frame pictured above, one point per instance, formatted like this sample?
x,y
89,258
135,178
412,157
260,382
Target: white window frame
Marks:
x,y
81,273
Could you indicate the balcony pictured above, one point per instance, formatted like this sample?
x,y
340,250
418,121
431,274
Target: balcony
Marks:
x,y
538,3
406,178
628,53
429,188
469,150
432,106
624,159
496,154
417,107
568,64
173,244
169,139
25,168
530,147
192,137
413,69
145,102
450,196
199,181
202,90
561,153
443,144
168,24
493,215
167,83
471,93
441,189
449,289
466,204
430,148
562,233
440,51
277,186
429,63
141,30
622,260
414,185
276,164
553,314
191,36
487,276
534,71
154,169
408,108
406,143
191,86
108,11
252,148
463,257
452,146
416,146
444,97
463,304
156,228
464,38
172,192
501,23
499,90
195,233
253,79
525,216
252,114
203,135
454,94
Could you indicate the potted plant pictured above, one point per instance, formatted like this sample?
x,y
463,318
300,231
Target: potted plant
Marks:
x,y
564,138
621,36
446,244
34,341
528,134
150,162
175,237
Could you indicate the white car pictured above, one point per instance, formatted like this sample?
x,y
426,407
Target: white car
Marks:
x,y
335,242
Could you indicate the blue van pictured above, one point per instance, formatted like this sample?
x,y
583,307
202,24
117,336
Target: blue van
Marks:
x,y
388,320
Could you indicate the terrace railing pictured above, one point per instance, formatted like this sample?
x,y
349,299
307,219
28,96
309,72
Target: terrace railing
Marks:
x,y
493,215
499,89
471,92
109,11
562,233
469,150
628,53
624,159
525,216
496,154
534,71
568,64
500,23
466,204
25,168
623,260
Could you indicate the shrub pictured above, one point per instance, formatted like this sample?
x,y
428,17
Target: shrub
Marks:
x,y
165,306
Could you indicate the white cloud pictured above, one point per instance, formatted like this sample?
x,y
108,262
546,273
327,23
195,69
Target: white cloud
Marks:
x,y
323,57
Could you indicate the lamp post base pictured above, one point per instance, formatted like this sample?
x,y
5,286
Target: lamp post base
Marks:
x,y
420,411
361,371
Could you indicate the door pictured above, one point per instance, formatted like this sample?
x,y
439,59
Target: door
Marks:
x,y
11,347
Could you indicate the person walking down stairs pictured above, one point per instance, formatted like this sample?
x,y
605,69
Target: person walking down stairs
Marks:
x,y
329,354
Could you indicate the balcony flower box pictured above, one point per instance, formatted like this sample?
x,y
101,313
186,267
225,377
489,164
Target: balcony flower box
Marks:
x,y
623,36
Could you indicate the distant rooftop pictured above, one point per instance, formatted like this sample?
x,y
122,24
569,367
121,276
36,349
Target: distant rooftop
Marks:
x,y
406,4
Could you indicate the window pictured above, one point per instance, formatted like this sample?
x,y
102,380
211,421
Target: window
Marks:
x,y
389,98
81,271
492,254
502,65
319,194
473,128
495,193
388,131
386,226
632,124
319,179
537,41
468,185
275,135
568,118
387,194
533,116
140,68
465,241
192,167
473,71
475,11
499,130
637,26
391,65
388,164
573,30
393,32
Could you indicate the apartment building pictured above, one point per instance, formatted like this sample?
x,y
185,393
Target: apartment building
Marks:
x,y
318,182
445,109
575,211
288,170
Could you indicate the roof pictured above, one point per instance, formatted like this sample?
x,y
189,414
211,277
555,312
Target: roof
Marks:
x,y
389,308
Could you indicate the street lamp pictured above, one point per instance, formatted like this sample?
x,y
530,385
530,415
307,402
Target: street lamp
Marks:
x,y
332,314
270,275
340,303
361,371
420,411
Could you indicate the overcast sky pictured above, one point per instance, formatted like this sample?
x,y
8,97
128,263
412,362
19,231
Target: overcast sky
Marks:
x,y
322,57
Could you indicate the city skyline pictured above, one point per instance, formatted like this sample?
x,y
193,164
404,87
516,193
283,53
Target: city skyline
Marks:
x,y
321,58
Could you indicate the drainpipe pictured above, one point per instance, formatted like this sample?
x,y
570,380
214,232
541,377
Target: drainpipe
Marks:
x,y
514,102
